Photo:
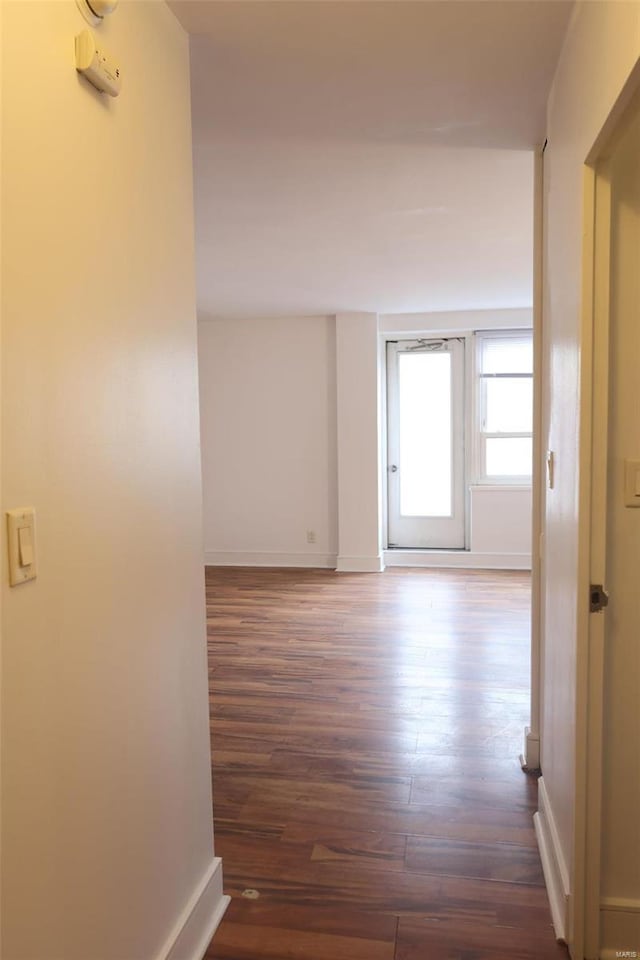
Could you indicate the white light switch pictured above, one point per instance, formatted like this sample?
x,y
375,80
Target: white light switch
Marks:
x,y
22,545
25,544
632,483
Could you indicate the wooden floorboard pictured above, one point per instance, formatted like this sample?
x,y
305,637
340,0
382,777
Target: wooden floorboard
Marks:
x,y
367,792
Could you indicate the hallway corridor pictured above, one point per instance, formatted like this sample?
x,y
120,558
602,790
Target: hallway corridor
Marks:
x,y
366,732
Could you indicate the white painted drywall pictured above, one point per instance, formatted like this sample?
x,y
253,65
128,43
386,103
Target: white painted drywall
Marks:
x,y
290,440
601,49
501,520
106,802
295,227
359,442
353,186
620,883
268,414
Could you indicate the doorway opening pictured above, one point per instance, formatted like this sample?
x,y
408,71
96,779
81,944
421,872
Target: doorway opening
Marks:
x,y
459,442
426,440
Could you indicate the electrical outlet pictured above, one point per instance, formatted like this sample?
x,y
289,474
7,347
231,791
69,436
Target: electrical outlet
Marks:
x,y
311,536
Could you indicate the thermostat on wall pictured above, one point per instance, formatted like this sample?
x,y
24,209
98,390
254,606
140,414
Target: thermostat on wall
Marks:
x,y
96,65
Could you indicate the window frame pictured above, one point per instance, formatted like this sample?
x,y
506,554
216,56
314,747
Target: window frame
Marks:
x,y
479,393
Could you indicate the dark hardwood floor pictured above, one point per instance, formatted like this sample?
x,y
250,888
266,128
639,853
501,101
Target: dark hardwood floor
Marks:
x,y
366,731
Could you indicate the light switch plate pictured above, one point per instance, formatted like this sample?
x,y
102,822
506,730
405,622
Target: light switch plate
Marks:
x,y
632,483
22,518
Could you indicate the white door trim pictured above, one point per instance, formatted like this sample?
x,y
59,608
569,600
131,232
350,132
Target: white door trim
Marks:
x,y
443,532
591,564
530,759
585,914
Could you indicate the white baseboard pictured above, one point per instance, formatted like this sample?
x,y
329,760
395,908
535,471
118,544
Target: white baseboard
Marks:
x,y
241,558
457,558
556,875
530,759
619,928
199,920
360,564
375,564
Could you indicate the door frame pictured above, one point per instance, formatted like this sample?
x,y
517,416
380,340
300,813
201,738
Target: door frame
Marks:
x,y
391,336
584,917
584,906
530,757
458,351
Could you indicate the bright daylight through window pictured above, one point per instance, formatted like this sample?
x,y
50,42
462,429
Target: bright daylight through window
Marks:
x,y
505,407
425,384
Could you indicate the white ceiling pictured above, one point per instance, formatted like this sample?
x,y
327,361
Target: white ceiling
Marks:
x,y
366,154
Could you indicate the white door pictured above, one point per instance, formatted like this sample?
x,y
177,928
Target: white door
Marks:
x,y
425,431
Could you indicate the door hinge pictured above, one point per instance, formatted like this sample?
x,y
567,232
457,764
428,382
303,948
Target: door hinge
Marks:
x,y
598,598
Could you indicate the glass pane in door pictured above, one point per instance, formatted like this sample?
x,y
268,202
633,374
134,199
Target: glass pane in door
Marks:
x,y
425,455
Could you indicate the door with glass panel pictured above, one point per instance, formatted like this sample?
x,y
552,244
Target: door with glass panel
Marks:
x,y
425,432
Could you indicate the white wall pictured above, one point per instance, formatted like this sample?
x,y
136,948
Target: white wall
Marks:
x,y
602,47
106,802
359,443
501,521
268,411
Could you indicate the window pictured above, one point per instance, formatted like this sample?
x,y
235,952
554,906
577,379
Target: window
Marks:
x,y
504,406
